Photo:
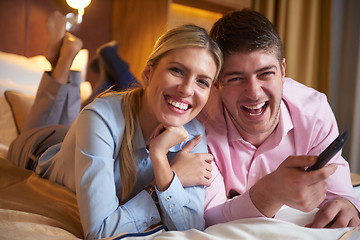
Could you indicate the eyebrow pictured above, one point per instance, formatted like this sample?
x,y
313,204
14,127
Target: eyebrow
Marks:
x,y
266,68
187,69
257,71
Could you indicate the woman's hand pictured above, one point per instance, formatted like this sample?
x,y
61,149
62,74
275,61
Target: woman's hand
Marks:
x,y
193,168
162,139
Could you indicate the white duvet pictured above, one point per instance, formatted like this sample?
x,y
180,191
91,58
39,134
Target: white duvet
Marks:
x,y
288,224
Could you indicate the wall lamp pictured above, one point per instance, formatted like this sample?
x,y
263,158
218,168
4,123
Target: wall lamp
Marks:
x,y
80,5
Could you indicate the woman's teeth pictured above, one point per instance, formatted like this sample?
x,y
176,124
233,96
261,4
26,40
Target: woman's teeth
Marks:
x,y
179,105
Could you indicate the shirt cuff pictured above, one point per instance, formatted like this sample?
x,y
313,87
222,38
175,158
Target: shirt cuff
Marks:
x,y
174,191
241,207
172,201
143,216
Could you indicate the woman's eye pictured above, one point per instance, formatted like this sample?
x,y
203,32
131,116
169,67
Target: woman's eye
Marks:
x,y
204,83
176,71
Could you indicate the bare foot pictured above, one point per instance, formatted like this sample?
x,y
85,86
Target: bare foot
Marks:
x,y
55,31
70,47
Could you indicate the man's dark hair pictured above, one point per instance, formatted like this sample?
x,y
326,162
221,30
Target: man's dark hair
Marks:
x,y
246,31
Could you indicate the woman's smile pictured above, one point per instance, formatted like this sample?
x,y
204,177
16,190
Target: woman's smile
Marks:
x,y
181,105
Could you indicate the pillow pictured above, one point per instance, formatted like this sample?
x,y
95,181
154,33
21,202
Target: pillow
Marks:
x,y
28,71
7,124
20,104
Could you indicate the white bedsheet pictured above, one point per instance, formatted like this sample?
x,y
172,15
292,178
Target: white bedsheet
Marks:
x,y
288,225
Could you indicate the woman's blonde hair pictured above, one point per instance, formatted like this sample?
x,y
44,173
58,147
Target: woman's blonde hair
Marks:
x,y
179,37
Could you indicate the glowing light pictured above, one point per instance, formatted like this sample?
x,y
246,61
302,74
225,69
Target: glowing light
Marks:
x,y
80,5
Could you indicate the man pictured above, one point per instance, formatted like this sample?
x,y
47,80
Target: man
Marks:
x,y
264,130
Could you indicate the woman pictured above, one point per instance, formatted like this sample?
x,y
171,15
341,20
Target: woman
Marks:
x,y
122,143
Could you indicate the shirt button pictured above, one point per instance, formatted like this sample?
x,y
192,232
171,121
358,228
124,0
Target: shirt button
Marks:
x,y
145,224
171,205
253,174
168,198
152,219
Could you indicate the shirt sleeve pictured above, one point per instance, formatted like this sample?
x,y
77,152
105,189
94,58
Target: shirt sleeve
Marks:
x,y
182,208
100,213
219,209
325,130
339,184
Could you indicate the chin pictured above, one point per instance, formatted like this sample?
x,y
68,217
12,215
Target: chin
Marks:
x,y
175,122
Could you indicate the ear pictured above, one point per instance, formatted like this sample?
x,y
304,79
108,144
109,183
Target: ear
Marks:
x,y
283,67
146,74
218,85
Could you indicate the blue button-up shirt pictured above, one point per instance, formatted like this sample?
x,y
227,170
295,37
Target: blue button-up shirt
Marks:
x,y
87,162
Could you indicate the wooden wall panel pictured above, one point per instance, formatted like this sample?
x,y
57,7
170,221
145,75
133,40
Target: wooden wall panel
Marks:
x,y
12,26
96,29
23,26
37,14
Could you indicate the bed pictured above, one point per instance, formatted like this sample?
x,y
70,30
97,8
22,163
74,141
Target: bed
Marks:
x,y
35,208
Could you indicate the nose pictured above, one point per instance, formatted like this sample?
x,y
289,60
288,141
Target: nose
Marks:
x,y
253,89
186,87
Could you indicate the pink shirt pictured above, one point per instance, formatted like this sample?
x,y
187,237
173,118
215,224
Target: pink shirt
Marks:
x,y
307,126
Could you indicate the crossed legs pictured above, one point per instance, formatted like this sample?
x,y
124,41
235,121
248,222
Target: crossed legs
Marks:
x,y
57,100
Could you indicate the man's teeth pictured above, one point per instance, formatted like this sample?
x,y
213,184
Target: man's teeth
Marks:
x,y
260,105
255,110
182,106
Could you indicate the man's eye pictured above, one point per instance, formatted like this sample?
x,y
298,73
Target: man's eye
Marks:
x,y
266,74
234,79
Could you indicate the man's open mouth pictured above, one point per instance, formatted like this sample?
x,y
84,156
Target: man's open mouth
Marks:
x,y
255,110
